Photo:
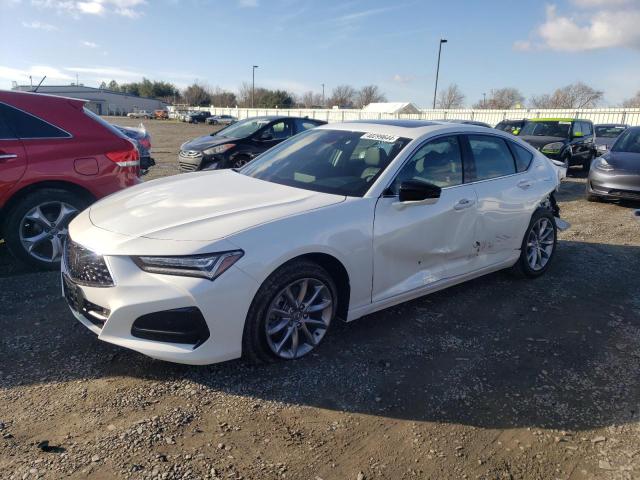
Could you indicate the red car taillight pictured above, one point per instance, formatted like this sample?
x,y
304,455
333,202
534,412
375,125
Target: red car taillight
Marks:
x,y
124,158
145,143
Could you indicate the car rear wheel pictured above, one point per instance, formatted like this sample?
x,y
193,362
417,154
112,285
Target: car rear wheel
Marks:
x,y
36,227
291,313
538,246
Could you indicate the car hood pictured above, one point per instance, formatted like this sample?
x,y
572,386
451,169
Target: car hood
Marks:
x,y
624,161
539,142
203,206
202,143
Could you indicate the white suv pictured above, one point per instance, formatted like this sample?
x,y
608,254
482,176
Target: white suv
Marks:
x,y
339,221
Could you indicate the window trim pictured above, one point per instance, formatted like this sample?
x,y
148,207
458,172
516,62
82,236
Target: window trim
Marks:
x,y
511,145
68,135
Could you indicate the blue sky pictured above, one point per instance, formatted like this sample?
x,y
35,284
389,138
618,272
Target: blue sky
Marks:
x,y
300,44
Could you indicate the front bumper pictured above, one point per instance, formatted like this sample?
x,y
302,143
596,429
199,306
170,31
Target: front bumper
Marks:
x,y
190,160
111,312
614,184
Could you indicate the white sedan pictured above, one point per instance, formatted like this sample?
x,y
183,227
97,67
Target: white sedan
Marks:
x,y
337,222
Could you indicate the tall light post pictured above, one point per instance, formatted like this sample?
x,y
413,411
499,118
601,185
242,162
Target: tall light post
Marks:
x,y
253,83
435,92
323,94
484,100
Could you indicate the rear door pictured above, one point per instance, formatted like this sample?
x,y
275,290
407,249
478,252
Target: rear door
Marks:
x,y
13,157
508,192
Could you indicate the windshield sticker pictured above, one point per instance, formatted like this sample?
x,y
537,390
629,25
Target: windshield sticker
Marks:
x,y
380,137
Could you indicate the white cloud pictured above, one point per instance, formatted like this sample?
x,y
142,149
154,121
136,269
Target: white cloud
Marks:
x,y
403,79
606,24
39,26
36,71
90,44
126,8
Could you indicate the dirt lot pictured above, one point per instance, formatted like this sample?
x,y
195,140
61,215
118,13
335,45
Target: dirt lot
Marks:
x,y
495,379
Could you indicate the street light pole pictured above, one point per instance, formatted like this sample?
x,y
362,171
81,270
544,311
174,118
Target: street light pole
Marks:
x,y
435,92
253,83
323,94
484,100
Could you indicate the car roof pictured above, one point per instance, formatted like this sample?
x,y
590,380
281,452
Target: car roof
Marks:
x,y
407,128
612,125
550,119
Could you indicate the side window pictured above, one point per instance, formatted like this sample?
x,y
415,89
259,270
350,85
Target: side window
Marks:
x,y
586,128
27,126
303,124
438,162
577,128
5,132
522,155
491,156
280,130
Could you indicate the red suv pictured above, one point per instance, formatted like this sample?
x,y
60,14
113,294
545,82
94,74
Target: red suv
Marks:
x,y
56,158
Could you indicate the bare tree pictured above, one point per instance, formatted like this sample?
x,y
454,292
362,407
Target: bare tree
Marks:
x,y
310,99
576,95
342,96
451,97
501,99
633,102
196,95
369,94
222,98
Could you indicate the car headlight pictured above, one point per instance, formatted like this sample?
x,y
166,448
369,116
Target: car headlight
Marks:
x,y
554,147
208,265
219,149
602,164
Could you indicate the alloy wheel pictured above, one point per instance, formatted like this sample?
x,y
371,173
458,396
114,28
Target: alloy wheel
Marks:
x,y
540,244
43,230
298,318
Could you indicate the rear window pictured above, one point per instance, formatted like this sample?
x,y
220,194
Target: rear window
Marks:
x,y
26,126
104,123
492,157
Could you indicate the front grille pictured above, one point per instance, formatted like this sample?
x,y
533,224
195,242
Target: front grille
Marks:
x,y
86,267
187,167
190,153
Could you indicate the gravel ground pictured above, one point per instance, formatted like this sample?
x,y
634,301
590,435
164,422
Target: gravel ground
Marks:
x,y
498,378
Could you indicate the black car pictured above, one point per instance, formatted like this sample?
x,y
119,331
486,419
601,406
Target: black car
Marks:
x,y
197,117
511,126
606,135
570,140
142,139
239,143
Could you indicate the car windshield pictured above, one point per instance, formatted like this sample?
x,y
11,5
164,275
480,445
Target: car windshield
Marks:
x,y
605,131
555,128
244,128
330,161
628,141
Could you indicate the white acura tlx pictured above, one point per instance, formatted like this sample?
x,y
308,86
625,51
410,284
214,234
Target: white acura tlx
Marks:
x,y
337,222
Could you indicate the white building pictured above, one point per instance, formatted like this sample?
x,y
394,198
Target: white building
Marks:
x,y
391,107
100,101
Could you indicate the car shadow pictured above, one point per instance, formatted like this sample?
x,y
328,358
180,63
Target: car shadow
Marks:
x,y
561,351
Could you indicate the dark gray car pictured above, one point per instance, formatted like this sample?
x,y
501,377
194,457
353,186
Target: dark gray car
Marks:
x,y
616,174
606,135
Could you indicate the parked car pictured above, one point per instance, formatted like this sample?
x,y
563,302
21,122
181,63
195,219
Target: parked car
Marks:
x,y
139,114
616,174
570,140
606,134
511,126
237,144
221,120
466,122
338,222
161,114
56,158
142,140
196,117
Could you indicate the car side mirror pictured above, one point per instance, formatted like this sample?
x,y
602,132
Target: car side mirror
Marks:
x,y
418,191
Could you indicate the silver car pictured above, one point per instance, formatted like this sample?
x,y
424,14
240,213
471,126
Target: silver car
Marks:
x,y
616,174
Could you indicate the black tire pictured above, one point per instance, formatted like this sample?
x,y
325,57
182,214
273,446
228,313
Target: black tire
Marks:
x,y
586,165
12,224
239,161
255,347
522,267
592,198
566,159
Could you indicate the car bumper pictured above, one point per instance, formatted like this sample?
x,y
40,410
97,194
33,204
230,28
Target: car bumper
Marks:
x,y
614,184
223,305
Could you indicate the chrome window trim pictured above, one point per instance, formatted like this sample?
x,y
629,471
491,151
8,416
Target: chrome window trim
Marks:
x,y
69,135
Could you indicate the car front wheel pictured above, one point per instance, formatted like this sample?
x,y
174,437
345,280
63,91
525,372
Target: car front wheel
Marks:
x,y
291,313
538,246
36,227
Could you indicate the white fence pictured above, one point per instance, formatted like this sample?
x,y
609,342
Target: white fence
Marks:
x,y
630,116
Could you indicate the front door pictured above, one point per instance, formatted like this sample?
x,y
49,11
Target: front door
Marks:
x,y
416,245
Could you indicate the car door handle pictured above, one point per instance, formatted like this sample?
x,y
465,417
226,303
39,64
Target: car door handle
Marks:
x,y
7,156
464,203
524,184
